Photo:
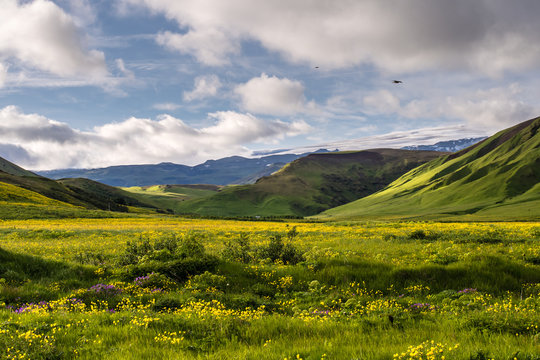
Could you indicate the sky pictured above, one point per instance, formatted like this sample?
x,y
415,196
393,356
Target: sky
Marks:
x,y
94,83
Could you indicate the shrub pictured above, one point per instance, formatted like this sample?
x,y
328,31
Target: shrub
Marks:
x,y
208,280
276,250
177,259
238,250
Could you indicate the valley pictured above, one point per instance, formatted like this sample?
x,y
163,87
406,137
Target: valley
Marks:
x,y
426,255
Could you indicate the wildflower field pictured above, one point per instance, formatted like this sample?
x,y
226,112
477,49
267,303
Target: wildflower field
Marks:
x,y
175,288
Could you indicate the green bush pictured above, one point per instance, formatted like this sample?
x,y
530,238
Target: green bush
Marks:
x,y
277,250
238,250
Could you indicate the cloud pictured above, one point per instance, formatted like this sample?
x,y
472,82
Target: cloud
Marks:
x,y
234,128
3,74
272,95
82,11
489,110
495,108
41,35
122,67
204,86
209,46
396,139
394,35
42,143
167,106
8,151
381,102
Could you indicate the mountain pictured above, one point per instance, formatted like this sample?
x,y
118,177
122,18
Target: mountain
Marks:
x,y
226,171
229,170
447,146
311,184
497,178
22,189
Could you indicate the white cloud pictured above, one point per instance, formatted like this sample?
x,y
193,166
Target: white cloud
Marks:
x,y
489,110
396,139
40,35
232,127
395,35
3,74
209,46
495,108
204,86
37,142
381,102
122,67
272,95
167,106
82,11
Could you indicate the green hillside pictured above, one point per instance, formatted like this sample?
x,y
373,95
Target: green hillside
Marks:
x,y
312,184
169,197
24,194
101,196
19,203
498,178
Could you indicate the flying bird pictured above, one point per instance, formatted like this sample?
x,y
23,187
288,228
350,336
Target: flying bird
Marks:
x,y
397,81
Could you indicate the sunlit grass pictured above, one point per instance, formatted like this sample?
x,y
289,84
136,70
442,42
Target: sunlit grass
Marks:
x,y
361,290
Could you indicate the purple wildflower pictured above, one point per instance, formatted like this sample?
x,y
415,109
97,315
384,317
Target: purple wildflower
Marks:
x,y
467,291
105,289
421,306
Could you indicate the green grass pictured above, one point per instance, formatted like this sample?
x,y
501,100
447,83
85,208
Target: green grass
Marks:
x,y
81,193
170,196
367,291
496,179
311,184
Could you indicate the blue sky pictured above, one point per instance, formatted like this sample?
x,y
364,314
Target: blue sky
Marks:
x,y
106,82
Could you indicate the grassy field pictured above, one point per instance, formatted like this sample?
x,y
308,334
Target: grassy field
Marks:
x,y
171,196
172,288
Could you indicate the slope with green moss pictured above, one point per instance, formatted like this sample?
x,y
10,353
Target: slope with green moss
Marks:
x,y
498,178
312,184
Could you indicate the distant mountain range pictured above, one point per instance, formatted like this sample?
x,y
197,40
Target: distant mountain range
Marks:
x,y
225,171
498,177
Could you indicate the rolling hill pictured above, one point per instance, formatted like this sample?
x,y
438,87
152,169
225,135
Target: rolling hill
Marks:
x,y
311,184
169,197
498,178
23,191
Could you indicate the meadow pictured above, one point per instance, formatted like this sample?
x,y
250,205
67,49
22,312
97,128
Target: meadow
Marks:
x,y
158,287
